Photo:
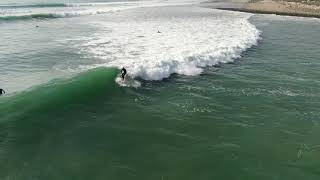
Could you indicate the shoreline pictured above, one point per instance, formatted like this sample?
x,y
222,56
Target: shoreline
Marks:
x,y
278,7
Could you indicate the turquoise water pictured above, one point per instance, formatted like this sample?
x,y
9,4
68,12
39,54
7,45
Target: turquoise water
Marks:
x,y
256,117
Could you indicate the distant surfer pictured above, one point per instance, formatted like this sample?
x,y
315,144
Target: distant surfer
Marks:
x,y
123,73
2,92
159,31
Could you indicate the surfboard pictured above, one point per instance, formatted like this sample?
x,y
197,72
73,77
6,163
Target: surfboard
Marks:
x,y
127,82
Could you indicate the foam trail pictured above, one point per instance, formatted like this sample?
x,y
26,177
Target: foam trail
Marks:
x,y
190,40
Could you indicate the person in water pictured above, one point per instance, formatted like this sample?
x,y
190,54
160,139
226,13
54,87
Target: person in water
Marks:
x,y
2,92
123,73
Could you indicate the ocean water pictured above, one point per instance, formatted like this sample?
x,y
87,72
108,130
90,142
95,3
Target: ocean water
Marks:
x,y
223,95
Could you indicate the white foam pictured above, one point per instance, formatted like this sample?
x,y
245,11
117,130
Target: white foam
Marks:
x,y
127,82
190,39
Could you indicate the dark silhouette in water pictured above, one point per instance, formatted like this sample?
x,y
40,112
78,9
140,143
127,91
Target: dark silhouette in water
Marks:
x,y
123,73
2,92
159,31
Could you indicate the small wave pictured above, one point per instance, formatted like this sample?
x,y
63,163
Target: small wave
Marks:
x,y
57,5
65,10
52,15
34,11
34,6
66,13
30,16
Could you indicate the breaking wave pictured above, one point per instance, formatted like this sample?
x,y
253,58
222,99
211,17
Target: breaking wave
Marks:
x,y
185,43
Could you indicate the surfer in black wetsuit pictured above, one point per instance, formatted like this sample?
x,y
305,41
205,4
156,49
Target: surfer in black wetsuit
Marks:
x,y
123,73
2,92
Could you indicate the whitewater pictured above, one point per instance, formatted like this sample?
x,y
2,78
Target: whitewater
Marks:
x,y
188,40
152,39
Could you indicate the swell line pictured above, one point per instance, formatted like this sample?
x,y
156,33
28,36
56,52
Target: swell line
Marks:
x,y
30,16
34,6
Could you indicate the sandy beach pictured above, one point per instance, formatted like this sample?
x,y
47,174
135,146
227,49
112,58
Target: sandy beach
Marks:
x,y
280,7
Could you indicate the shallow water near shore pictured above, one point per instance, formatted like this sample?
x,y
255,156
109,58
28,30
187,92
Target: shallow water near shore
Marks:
x,y
254,116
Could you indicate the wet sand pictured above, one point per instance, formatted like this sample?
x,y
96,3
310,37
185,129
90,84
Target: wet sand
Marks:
x,y
279,7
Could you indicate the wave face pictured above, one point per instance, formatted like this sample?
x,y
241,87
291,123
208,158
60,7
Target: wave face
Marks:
x,y
188,40
57,94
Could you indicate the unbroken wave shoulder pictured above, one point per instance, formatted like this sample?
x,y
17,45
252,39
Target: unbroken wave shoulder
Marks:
x,y
89,86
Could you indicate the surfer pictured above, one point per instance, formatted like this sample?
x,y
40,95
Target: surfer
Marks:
x,y
123,73
2,92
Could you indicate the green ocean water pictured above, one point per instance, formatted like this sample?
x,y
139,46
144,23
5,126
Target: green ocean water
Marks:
x,y
255,118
